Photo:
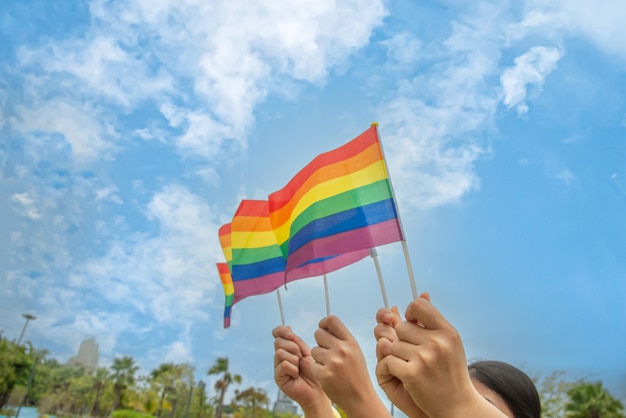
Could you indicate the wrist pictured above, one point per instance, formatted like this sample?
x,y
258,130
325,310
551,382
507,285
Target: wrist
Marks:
x,y
472,406
321,408
365,407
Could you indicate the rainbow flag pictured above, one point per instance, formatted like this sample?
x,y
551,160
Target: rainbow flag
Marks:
x,y
340,202
226,243
258,266
254,261
229,291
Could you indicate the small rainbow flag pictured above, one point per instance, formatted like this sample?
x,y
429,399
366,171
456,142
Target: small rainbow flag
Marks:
x,y
340,202
229,291
258,266
226,243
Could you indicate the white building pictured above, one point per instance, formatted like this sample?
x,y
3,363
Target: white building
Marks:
x,y
284,405
87,356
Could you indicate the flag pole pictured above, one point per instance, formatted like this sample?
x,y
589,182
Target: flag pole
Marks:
x,y
374,255
326,293
280,307
405,249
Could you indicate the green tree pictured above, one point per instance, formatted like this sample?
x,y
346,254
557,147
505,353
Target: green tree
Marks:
x,y
553,393
162,378
221,386
591,400
124,370
174,384
15,367
253,402
101,379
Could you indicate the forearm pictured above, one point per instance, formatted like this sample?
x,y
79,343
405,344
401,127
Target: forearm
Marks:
x,y
365,407
318,409
476,407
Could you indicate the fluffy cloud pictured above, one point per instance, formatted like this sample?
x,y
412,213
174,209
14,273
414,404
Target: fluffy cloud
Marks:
x,y
530,68
431,130
600,21
164,276
136,52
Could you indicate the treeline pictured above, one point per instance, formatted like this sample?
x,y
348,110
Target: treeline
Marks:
x,y
30,377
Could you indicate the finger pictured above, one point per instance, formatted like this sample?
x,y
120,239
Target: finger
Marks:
x,y
302,346
391,366
385,331
285,332
284,355
305,368
282,332
388,316
425,295
285,368
412,333
409,352
334,325
383,348
287,345
320,355
325,338
422,310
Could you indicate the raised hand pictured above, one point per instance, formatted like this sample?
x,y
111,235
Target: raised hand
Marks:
x,y
341,369
385,334
293,374
429,359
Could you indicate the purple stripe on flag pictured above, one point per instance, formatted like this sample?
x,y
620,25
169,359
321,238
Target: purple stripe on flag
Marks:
x,y
362,238
327,266
258,286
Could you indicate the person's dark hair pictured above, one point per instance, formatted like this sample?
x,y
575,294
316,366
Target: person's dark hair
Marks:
x,y
513,385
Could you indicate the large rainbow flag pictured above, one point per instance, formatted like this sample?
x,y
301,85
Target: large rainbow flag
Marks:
x,y
340,202
254,261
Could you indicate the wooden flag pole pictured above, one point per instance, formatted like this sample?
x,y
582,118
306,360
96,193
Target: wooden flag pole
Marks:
x,y
374,255
404,247
326,293
280,307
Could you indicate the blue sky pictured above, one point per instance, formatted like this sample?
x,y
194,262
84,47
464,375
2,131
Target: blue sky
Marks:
x,y
130,131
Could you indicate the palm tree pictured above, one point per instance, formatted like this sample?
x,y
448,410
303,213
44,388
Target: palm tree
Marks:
x,y
254,401
162,378
591,400
221,386
124,370
100,380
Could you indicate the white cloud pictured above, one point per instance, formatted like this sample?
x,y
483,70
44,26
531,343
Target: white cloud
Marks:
x,y
81,125
28,204
218,72
566,176
600,21
98,66
431,130
178,352
108,193
168,275
531,68
403,49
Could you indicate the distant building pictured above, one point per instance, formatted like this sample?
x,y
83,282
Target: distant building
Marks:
x,y
87,356
284,405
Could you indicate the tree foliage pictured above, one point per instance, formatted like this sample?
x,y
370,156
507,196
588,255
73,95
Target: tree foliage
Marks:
x,y
224,381
591,400
170,391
